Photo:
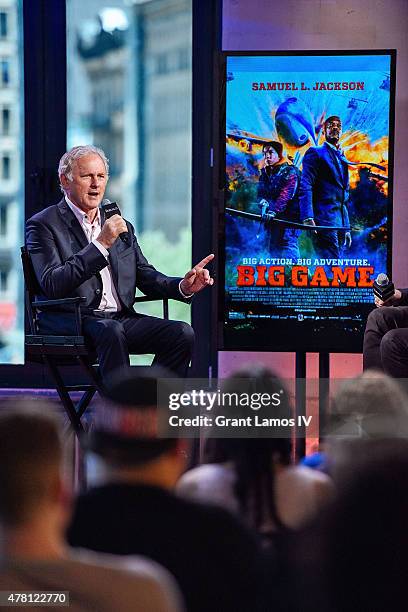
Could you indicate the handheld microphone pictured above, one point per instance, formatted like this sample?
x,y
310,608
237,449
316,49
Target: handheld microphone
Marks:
x,y
109,209
383,288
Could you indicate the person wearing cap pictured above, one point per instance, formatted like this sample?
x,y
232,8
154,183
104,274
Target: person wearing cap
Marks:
x,y
324,192
217,563
277,197
35,506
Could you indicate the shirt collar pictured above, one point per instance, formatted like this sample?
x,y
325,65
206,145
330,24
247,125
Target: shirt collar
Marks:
x,y
337,149
80,214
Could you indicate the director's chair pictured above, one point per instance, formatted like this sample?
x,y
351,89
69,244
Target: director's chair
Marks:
x,y
56,351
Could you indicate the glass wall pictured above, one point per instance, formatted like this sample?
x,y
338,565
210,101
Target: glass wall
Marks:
x,y
129,91
11,183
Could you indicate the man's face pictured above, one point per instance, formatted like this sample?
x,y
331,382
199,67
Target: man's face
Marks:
x,y
88,184
270,156
332,131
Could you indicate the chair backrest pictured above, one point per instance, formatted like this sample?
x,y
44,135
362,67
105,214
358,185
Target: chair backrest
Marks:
x,y
31,287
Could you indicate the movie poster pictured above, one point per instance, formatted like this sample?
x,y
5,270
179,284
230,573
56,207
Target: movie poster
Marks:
x,y
307,197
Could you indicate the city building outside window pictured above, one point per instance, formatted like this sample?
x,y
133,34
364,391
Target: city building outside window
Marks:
x,y
129,91
11,182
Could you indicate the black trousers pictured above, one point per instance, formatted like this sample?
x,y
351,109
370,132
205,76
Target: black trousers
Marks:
x,y
116,335
326,244
386,340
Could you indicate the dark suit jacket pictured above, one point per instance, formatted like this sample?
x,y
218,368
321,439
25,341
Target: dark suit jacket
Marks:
x,y
66,265
324,187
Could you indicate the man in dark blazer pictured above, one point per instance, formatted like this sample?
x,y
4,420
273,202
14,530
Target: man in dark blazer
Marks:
x,y
76,252
324,191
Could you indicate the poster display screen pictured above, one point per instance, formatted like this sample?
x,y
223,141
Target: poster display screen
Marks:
x,y
307,145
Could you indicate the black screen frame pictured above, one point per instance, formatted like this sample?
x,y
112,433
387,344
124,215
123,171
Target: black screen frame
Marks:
x,y
262,342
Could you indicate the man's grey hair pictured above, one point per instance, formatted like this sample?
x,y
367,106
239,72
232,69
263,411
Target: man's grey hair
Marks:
x,y
67,160
372,404
372,391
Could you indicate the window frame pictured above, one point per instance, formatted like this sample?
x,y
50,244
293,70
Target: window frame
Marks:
x,y
45,98
44,57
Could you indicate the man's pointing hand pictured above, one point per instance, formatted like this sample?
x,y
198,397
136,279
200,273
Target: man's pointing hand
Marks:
x,y
197,278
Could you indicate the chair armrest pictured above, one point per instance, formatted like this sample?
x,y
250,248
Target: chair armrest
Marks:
x,y
146,298
62,302
75,301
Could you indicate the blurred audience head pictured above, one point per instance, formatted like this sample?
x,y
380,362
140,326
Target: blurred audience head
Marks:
x,y
372,406
356,553
378,400
254,381
255,458
125,435
30,462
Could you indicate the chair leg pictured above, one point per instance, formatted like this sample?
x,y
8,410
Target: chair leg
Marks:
x,y
84,402
92,374
64,396
80,475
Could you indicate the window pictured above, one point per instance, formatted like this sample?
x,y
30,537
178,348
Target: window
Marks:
x,y
5,71
5,167
183,57
4,276
3,24
3,220
162,64
5,121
